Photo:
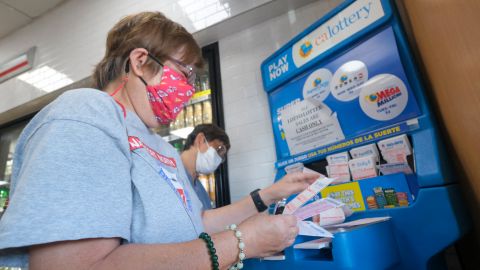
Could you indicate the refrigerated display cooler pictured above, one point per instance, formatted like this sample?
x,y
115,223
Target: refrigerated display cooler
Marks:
x,y
205,107
348,87
8,141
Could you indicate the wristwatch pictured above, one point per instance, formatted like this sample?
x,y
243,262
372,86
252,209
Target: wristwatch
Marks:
x,y
259,204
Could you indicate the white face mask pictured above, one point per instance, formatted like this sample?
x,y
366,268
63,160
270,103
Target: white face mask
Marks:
x,y
207,162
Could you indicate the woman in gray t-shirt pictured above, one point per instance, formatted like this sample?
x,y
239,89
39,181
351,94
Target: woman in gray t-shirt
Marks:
x,y
94,188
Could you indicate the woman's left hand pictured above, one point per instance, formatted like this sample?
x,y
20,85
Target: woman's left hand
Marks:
x,y
290,184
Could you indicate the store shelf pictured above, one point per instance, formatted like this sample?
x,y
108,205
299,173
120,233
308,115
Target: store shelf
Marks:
x,y
182,132
200,97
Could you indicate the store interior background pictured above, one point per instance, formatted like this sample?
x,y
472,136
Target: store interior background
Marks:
x,y
70,35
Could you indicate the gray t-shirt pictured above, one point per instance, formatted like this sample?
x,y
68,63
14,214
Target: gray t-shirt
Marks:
x,y
83,170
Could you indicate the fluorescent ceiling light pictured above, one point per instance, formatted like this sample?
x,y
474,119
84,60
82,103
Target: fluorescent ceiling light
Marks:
x,y
46,79
204,13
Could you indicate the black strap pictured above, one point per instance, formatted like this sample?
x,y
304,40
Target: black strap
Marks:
x,y
259,204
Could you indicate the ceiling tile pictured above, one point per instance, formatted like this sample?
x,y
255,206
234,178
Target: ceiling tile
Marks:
x,y
10,19
33,8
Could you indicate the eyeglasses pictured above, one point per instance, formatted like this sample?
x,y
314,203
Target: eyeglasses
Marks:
x,y
187,70
189,74
221,151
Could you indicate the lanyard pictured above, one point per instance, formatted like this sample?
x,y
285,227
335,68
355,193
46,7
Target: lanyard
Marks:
x,y
169,178
174,184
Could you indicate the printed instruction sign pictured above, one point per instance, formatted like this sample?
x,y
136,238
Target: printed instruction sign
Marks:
x,y
308,125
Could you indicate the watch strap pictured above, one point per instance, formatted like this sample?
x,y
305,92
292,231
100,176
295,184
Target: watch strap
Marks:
x,y
259,204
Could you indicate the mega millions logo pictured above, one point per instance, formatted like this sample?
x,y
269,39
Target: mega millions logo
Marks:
x,y
306,49
384,96
317,82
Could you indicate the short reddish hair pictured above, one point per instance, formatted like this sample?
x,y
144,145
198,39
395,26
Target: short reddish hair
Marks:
x,y
152,31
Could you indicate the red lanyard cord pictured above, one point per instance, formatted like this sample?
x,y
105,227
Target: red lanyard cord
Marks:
x,y
120,87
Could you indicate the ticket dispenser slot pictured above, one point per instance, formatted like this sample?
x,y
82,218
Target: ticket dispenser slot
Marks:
x,y
318,166
373,245
313,248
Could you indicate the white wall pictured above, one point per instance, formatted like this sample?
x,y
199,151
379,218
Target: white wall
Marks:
x,y
71,37
71,40
247,118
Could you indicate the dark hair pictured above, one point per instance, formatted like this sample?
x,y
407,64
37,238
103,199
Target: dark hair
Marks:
x,y
152,31
211,132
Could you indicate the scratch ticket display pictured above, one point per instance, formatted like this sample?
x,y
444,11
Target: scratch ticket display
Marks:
x,y
369,150
387,198
391,168
339,172
340,158
362,168
395,155
398,142
337,167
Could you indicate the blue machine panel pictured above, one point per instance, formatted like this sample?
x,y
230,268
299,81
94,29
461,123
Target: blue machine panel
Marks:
x,y
348,80
338,84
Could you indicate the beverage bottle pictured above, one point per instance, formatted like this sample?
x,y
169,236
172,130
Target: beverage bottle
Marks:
x,y
198,85
204,181
189,116
173,125
198,115
207,112
211,190
180,120
4,193
205,83
178,146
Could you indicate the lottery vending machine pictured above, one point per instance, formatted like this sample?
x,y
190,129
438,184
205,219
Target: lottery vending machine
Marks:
x,y
346,100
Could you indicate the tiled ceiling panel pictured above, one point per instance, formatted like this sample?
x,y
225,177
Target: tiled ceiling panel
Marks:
x,y
11,19
16,13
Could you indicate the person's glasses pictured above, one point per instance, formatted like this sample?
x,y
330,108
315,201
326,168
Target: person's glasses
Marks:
x,y
221,151
187,70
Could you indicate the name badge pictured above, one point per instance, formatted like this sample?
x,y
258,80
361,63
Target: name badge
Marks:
x,y
172,179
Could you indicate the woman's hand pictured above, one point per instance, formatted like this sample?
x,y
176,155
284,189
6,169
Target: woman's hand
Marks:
x,y
265,235
290,184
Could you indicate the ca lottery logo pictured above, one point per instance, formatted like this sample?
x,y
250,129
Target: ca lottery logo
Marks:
x,y
384,97
305,49
348,79
317,85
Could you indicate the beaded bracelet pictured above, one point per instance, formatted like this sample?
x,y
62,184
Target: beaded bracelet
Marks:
x,y
211,249
241,247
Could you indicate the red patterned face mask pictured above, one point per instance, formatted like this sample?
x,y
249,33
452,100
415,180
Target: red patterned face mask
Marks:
x,y
168,98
